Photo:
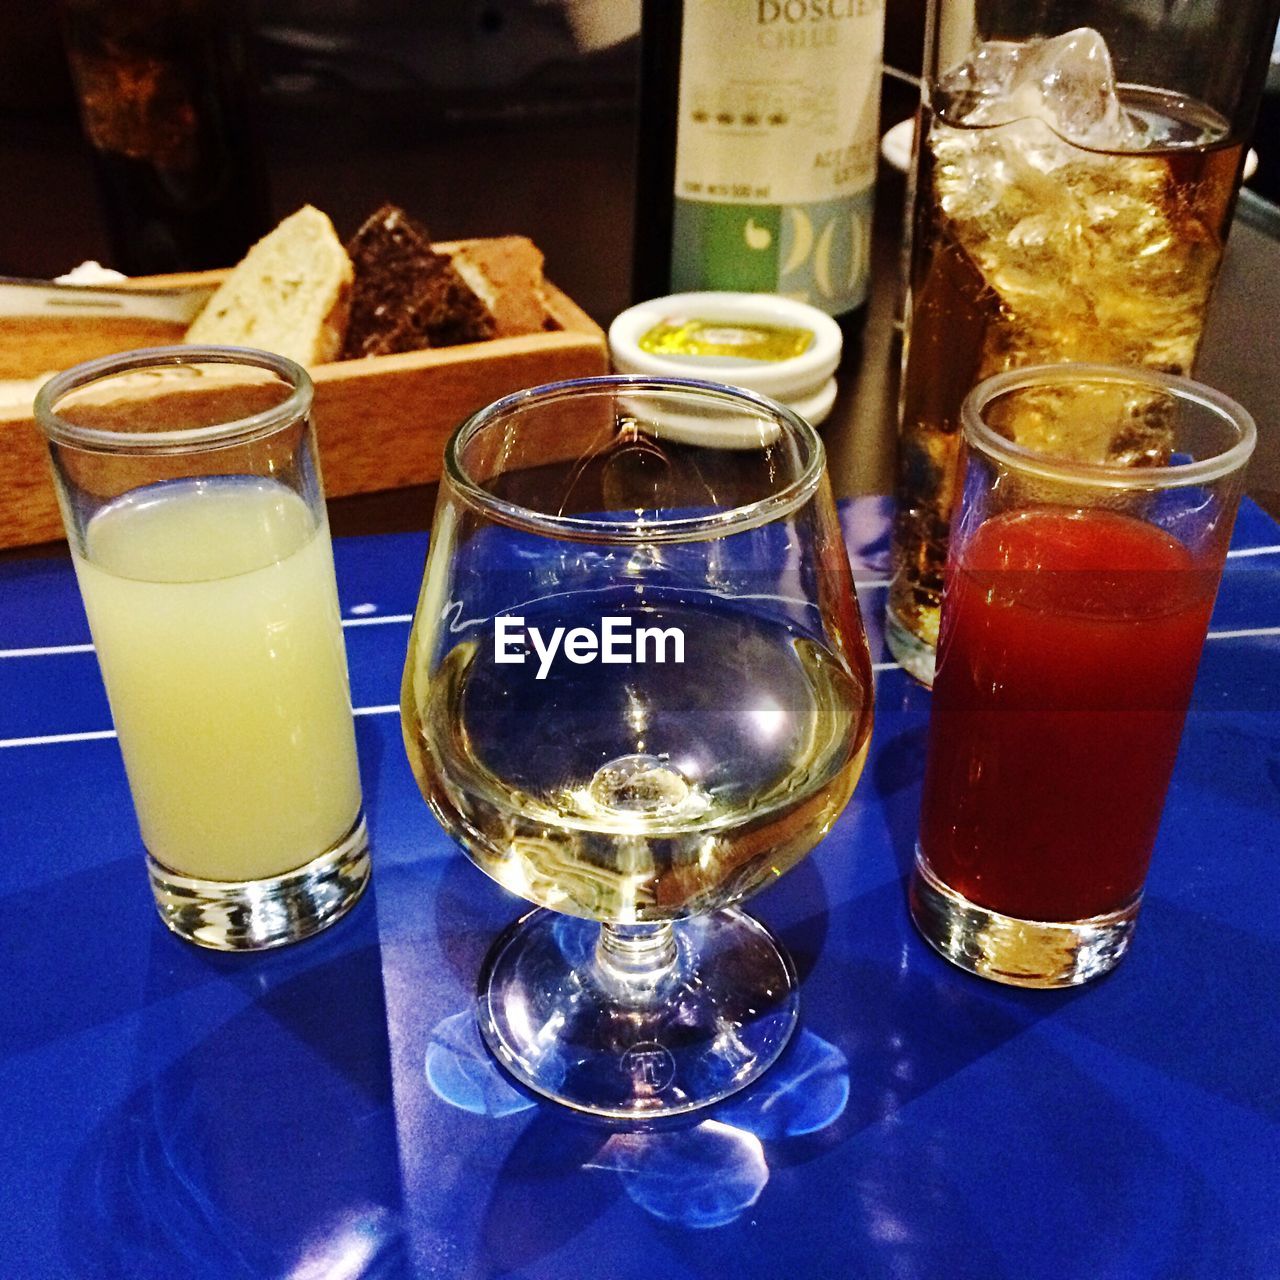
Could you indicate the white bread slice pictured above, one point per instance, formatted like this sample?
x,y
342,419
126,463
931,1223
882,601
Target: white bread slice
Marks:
x,y
505,273
289,294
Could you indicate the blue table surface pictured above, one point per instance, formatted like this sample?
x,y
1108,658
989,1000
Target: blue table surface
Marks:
x,y
327,1110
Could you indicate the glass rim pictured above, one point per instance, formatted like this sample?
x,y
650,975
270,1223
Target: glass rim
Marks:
x,y
986,440
296,405
1135,88
575,528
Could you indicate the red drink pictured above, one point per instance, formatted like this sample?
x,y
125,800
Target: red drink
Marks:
x,y
1069,647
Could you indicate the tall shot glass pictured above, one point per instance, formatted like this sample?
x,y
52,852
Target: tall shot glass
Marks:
x,y
1076,603
191,494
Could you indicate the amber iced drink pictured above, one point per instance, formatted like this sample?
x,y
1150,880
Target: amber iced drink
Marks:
x,y
1060,215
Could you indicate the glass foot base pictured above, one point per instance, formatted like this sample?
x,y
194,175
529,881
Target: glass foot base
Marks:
x,y
570,1024
1023,953
914,656
252,915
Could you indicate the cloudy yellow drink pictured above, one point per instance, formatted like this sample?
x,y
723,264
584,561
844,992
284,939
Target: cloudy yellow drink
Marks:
x,y
214,612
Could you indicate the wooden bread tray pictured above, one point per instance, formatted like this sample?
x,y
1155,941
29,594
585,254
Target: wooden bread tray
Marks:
x,y
381,421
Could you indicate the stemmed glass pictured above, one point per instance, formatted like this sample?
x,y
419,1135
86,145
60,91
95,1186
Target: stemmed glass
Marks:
x,y
637,691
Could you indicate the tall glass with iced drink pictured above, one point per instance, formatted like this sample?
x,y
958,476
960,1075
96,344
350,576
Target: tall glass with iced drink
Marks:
x,y
1072,194
195,516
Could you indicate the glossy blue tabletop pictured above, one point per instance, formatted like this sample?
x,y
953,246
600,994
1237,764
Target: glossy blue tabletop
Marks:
x,y
326,1111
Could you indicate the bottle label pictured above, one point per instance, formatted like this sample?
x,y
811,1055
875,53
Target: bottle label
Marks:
x,y
776,147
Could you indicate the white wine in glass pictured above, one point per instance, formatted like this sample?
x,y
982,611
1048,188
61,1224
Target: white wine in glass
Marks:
x,y
637,692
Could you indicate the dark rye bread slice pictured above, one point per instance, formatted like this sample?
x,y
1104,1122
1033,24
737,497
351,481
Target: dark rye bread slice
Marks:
x,y
405,295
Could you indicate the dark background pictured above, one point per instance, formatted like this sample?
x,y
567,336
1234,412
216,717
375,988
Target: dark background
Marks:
x,y
484,117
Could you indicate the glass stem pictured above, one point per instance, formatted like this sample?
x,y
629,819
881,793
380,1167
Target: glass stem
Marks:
x,y
633,959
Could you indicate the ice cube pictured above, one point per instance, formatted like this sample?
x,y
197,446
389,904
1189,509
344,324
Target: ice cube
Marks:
x,y
1067,81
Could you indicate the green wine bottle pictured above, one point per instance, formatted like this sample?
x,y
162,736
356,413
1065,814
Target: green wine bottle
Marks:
x,y
772,169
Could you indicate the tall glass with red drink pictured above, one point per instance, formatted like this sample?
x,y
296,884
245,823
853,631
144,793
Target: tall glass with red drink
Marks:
x,y
1076,603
